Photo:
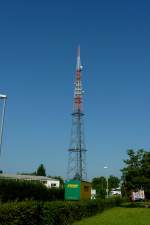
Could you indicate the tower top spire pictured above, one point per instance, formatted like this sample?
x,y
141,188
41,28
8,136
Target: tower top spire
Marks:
x,y
79,66
78,92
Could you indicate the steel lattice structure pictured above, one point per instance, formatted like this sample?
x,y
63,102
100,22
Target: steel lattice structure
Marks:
x,y
77,151
2,98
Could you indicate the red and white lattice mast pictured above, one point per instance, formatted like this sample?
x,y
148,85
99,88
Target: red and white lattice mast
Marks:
x,y
77,151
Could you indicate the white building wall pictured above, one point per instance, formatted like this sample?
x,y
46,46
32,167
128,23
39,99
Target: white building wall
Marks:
x,y
52,184
48,182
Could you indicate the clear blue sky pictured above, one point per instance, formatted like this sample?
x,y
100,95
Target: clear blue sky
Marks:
x,y
38,41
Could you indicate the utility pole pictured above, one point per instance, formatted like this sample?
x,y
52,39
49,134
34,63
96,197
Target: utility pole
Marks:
x,y
106,167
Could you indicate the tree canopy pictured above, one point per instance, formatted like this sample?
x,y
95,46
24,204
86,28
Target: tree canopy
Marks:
x,y
41,170
113,182
136,173
100,184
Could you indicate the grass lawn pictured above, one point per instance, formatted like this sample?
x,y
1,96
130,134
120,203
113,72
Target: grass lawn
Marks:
x,y
119,216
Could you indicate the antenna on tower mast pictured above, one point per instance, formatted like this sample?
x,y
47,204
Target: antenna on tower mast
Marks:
x,y
77,151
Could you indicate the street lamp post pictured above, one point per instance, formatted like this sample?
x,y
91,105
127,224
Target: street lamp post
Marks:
x,y
2,97
106,167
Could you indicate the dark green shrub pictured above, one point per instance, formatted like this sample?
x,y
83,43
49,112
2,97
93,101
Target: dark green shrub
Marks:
x,y
65,213
51,213
11,190
29,213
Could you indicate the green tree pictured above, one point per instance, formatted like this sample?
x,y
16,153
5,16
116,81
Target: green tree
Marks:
x,y
136,173
145,170
41,170
99,184
113,182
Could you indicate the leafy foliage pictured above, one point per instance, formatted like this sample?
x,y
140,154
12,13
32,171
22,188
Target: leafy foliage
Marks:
x,y
100,184
51,213
136,173
113,182
12,190
41,170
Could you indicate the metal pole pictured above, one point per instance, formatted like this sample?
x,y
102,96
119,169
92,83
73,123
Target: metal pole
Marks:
x,y
2,123
107,186
106,167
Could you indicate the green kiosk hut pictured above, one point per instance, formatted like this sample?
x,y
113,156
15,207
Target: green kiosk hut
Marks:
x,y
77,190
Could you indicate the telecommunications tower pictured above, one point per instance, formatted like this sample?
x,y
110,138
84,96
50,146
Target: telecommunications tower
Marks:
x,y
77,151
2,98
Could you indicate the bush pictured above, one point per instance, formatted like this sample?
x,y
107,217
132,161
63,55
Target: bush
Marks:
x,y
51,213
29,213
11,190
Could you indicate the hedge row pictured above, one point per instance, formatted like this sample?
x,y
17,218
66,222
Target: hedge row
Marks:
x,y
11,190
51,213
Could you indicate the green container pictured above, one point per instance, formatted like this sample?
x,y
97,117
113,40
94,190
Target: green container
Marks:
x,y
77,190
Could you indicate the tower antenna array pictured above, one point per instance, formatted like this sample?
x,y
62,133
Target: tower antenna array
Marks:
x,y
77,151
